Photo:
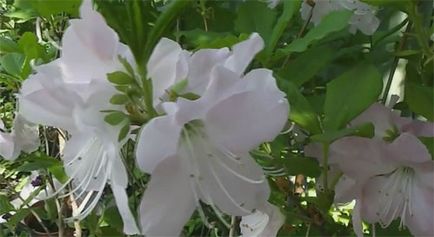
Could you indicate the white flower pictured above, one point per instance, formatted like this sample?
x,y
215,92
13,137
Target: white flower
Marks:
x,y
24,137
70,93
170,64
200,149
363,18
265,222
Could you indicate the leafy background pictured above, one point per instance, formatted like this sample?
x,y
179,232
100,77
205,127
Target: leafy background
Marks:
x,y
329,75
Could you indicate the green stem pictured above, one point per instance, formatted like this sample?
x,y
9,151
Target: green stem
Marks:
x,y
395,63
325,165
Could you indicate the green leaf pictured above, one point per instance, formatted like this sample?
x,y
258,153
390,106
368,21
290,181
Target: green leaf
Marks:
x,y
255,16
119,99
13,63
420,99
308,64
350,94
296,165
333,22
29,45
120,78
363,130
289,8
115,118
124,131
7,45
46,8
18,216
5,205
301,111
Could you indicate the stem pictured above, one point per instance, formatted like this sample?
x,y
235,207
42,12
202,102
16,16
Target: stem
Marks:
x,y
325,165
36,216
74,207
395,64
232,229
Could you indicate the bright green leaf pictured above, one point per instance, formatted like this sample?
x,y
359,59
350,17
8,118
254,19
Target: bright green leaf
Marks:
x,y
350,94
120,78
119,99
13,63
115,118
420,99
7,45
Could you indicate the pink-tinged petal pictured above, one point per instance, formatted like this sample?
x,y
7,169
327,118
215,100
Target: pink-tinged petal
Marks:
x,y
360,158
407,150
26,135
421,222
201,64
382,117
89,47
121,199
346,190
241,121
419,128
371,203
166,66
357,219
243,53
265,222
367,23
168,201
7,147
157,140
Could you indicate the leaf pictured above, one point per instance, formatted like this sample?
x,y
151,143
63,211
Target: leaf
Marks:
x,y
420,99
363,130
13,63
289,8
5,205
120,78
350,94
46,8
124,131
308,64
29,45
7,45
119,99
115,118
18,216
333,22
262,21
296,165
301,111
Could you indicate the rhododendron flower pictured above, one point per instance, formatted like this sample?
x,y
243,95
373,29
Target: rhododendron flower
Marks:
x,y
200,149
170,64
265,222
24,137
363,18
70,93
390,176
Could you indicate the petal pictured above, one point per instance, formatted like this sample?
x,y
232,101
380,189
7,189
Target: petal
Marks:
x,y
26,134
265,222
121,199
7,147
346,190
419,128
360,158
241,122
166,66
243,53
382,118
357,220
201,64
234,183
157,140
168,201
407,150
367,23
421,222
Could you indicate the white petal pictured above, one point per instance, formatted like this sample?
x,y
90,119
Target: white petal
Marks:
x,y
265,222
7,147
357,219
234,183
243,53
157,140
166,66
241,122
201,64
168,202
121,198
346,190
421,223
26,134
407,150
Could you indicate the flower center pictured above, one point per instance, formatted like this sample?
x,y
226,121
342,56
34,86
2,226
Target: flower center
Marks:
x,y
207,163
395,197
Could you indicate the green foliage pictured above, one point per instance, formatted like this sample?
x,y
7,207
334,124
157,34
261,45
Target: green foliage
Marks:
x,y
420,99
350,94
